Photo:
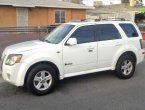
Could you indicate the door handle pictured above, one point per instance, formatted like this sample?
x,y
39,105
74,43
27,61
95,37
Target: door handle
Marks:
x,y
90,50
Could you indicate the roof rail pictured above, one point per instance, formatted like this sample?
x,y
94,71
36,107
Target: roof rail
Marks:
x,y
85,20
114,19
82,20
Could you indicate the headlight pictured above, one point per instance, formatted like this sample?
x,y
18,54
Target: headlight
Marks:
x,y
13,58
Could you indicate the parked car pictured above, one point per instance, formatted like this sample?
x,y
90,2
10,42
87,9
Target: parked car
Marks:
x,y
72,49
143,36
142,29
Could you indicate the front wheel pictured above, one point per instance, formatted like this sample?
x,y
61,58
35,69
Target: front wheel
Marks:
x,y
125,67
41,79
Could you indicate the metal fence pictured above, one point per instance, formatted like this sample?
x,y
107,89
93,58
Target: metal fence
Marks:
x,y
27,29
12,35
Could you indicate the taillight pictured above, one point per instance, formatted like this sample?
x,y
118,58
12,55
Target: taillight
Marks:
x,y
143,36
142,43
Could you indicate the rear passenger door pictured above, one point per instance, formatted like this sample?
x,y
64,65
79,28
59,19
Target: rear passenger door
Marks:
x,y
109,41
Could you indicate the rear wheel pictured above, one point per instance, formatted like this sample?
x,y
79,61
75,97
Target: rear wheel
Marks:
x,y
41,79
125,67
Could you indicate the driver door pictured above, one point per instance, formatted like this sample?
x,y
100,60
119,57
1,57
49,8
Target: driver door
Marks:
x,y
82,56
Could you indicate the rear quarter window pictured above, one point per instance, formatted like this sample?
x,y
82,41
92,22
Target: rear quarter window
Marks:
x,y
129,30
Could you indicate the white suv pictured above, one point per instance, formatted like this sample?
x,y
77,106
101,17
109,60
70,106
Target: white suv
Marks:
x,y
73,49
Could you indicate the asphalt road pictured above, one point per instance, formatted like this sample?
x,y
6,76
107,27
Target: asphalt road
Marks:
x,y
98,91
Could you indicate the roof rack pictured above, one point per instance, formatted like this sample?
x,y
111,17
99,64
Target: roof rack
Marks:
x,y
85,20
82,20
114,19
95,20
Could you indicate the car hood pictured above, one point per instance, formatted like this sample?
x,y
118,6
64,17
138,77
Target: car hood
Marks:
x,y
26,46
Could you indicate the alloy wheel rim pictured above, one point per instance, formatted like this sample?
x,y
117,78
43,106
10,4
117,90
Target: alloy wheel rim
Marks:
x,y
127,67
42,80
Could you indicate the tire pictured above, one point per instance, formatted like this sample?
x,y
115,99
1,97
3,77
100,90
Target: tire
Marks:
x,y
41,79
125,67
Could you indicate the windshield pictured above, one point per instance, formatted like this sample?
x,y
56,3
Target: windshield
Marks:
x,y
59,34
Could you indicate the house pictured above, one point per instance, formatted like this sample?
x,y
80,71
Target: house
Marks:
x,y
116,11
20,13
104,2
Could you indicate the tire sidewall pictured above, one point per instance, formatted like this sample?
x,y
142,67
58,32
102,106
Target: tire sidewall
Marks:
x,y
31,75
119,65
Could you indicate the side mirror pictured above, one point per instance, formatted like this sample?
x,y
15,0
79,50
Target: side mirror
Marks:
x,y
72,41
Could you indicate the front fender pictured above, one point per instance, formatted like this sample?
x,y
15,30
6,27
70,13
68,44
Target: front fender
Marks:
x,y
31,60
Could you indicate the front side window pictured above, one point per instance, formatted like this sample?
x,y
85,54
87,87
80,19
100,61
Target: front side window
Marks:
x,y
84,34
59,16
58,34
106,32
129,30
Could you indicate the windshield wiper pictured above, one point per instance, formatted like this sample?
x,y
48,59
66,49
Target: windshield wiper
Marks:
x,y
47,41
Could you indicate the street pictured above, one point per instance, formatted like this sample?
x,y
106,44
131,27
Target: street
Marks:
x,y
98,91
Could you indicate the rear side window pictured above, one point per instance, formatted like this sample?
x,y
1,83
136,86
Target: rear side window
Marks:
x,y
106,32
129,30
84,34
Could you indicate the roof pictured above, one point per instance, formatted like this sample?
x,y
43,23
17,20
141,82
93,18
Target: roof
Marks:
x,y
43,3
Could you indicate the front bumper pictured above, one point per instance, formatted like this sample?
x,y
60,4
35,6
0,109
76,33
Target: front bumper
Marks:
x,y
14,74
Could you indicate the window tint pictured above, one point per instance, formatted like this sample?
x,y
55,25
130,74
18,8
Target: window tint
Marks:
x,y
84,34
106,32
129,30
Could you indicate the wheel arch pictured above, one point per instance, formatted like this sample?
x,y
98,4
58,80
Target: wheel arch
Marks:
x,y
38,63
131,53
